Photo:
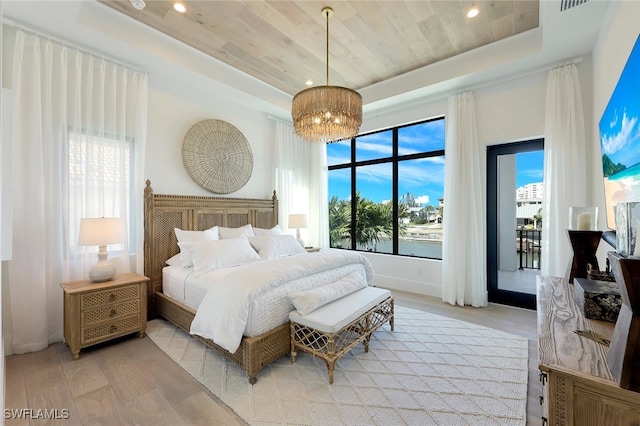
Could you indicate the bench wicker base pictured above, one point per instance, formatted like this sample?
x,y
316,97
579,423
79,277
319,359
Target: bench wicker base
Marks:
x,y
331,346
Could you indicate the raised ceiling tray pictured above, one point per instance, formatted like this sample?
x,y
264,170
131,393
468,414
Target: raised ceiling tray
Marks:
x,y
217,156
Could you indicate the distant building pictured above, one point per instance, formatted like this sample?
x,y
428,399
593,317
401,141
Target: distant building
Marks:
x,y
530,191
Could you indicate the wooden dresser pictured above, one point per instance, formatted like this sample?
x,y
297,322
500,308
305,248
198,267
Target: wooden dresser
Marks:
x,y
577,383
97,312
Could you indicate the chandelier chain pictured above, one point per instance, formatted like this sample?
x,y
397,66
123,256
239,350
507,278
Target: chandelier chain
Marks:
x,y
327,12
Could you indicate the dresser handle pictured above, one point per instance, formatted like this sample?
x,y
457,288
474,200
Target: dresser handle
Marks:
x,y
113,313
112,297
113,328
541,399
545,421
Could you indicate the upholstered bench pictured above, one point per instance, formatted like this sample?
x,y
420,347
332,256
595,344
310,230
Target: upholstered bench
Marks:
x,y
333,329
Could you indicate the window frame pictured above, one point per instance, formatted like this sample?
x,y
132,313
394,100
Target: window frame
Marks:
x,y
395,159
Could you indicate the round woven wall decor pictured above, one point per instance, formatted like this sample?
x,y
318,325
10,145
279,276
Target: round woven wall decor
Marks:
x,y
217,156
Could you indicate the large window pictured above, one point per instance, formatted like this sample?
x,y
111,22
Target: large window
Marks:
x,y
386,191
100,170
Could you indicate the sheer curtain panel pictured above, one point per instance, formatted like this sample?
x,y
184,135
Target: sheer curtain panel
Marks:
x,y
78,143
565,172
464,274
301,184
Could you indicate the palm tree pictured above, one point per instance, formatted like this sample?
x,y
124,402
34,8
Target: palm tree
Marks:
x,y
373,221
339,221
538,219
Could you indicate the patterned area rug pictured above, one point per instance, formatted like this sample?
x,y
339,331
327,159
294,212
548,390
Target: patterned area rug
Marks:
x,y
431,370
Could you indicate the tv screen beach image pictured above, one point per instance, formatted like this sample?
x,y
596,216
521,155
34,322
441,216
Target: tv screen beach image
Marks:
x,y
620,138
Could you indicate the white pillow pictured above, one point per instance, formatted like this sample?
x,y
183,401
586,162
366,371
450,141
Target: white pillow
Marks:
x,y
175,260
206,235
309,300
190,237
272,231
210,255
242,231
272,246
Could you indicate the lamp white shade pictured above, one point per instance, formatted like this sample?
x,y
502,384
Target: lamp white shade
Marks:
x,y
298,221
101,232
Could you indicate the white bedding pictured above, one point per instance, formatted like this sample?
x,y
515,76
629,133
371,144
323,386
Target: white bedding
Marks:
x,y
180,284
252,299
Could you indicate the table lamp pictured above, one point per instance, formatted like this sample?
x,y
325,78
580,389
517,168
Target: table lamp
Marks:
x,y
298,221
101,232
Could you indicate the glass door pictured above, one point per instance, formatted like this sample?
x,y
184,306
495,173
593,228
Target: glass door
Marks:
x,y
514,221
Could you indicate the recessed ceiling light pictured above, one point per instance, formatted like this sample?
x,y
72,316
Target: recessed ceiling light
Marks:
x,y
138,4
473,12
309,83
179,7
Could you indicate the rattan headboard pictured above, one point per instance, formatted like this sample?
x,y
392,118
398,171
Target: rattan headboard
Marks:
x,y
163,213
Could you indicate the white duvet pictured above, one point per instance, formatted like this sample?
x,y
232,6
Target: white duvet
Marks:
x,y
223,313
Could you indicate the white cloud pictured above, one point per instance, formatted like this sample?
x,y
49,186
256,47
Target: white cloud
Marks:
x,y
628,133
379,148
422,199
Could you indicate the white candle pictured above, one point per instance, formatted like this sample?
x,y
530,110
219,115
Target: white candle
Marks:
x,y
584,222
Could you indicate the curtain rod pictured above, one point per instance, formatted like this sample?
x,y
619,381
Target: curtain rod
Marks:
x,y
36,31
477,86
516,76
271,117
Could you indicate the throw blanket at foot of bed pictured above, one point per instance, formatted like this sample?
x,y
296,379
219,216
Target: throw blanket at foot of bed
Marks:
x,y
337,327
223,313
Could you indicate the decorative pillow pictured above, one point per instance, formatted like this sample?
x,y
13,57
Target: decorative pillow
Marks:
x,y
210,255
309,300
190,237
273,231
242,231
175,260
272,246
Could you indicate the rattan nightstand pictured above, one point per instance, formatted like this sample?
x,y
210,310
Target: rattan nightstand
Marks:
x,y
98,312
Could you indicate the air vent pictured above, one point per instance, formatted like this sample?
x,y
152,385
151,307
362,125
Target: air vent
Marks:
x,y
568,4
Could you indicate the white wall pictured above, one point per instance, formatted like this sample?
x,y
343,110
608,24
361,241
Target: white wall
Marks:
x,y
619,34
171,117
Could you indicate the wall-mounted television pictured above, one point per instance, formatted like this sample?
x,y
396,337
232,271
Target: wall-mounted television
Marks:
x,y
620,138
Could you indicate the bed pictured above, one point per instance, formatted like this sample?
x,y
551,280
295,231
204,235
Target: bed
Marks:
x,y
164,213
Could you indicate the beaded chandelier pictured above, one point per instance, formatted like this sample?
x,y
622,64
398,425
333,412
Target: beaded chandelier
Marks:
x,y
327,113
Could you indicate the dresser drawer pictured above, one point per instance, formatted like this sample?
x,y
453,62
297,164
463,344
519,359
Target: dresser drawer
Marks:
x,y
109,330
106,297
110,312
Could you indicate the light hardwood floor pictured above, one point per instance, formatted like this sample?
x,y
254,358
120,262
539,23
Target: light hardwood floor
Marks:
x,y
131,381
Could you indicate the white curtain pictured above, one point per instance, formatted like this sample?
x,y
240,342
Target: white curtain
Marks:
x,y
301,184
78,145
464,218
565,172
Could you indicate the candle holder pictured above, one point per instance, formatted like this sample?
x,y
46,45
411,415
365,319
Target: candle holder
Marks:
x,y
583,218
584,245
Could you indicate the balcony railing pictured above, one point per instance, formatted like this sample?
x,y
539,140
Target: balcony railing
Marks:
x,y
528,248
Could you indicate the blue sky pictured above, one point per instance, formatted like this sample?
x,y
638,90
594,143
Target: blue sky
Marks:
x,y
619,125
529,167
422,178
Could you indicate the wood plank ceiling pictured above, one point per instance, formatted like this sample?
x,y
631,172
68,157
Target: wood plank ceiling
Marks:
x,y
283,43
